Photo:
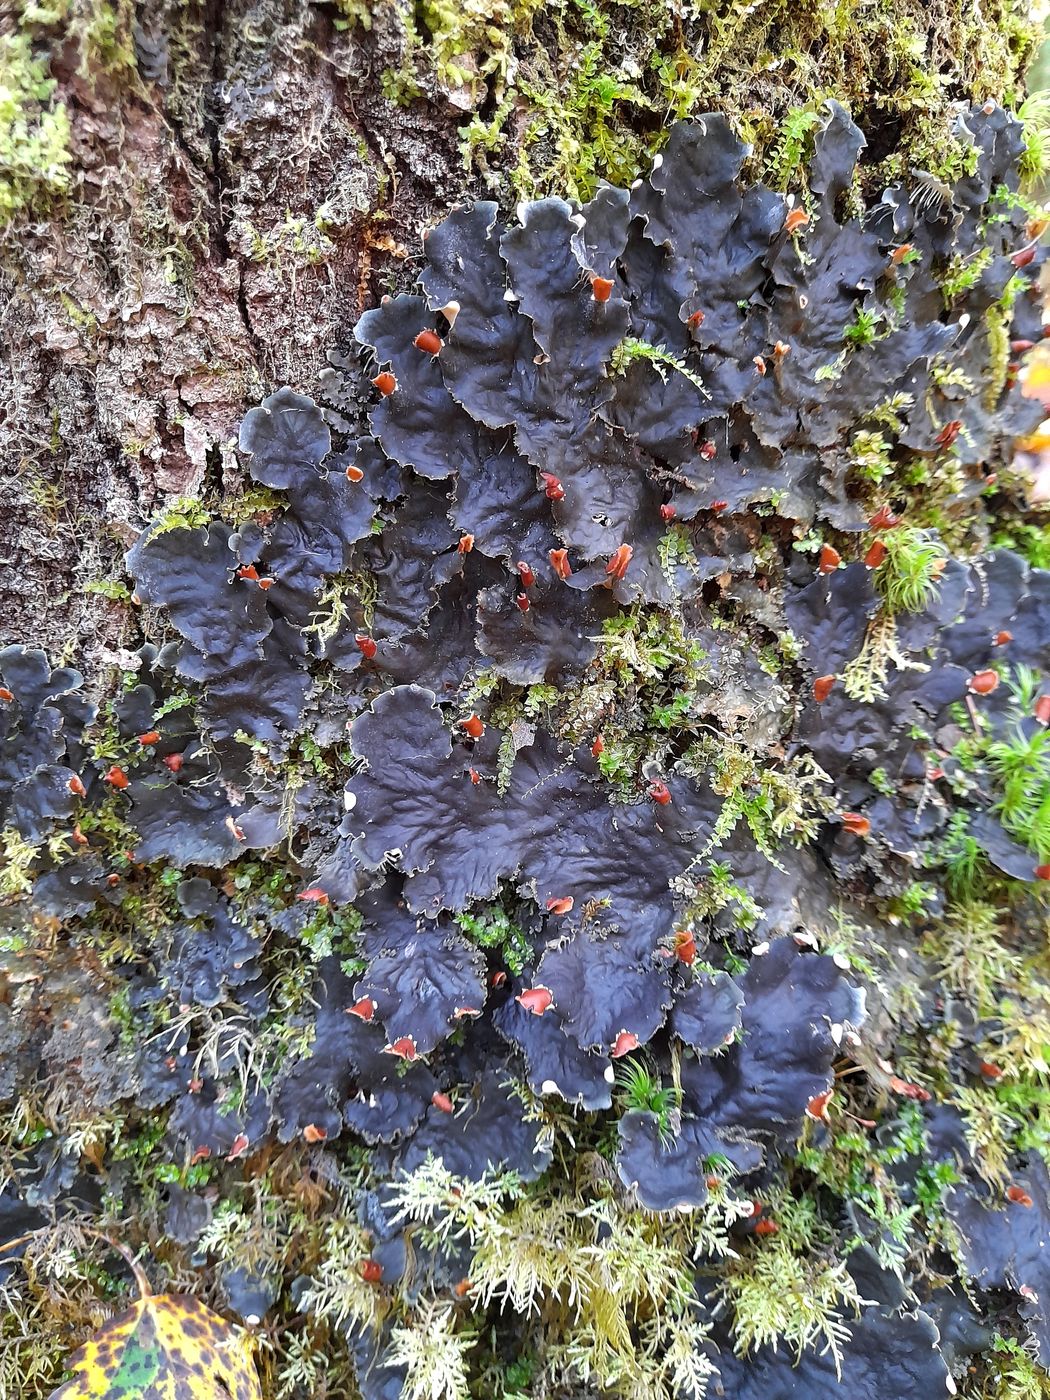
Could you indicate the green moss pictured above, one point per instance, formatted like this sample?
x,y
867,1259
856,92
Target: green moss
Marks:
x,y
778,803
630,350
105,29
1010,1373
854,1169
598,81
491,926
907,578
613,1284
344,598
870,455
462,44
788,1288
296,241
115,589
1013,769
791,146
997,327
182,513
646,644
639,1088
1031,541
354,14
964,272
864,329
35,157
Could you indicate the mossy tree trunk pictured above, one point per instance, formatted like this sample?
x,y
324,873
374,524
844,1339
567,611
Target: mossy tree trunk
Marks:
x,y
201,198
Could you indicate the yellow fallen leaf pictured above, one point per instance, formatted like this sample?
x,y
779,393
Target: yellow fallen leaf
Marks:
x,y
168,1347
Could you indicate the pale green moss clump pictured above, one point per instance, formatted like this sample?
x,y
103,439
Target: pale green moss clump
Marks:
x,y
34,131
585,90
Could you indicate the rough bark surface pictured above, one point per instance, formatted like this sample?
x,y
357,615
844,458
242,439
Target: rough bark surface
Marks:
x,y
236,204
242,179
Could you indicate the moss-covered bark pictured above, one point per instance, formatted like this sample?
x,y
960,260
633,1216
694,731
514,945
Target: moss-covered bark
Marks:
x,y
201,198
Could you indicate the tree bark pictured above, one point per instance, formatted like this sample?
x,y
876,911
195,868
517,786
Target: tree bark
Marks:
x,y
240,180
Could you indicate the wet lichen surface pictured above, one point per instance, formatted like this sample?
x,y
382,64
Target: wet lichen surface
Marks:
x,y
556,904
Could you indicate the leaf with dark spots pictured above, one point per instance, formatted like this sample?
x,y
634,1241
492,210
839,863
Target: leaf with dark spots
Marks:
x,y
169,1345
